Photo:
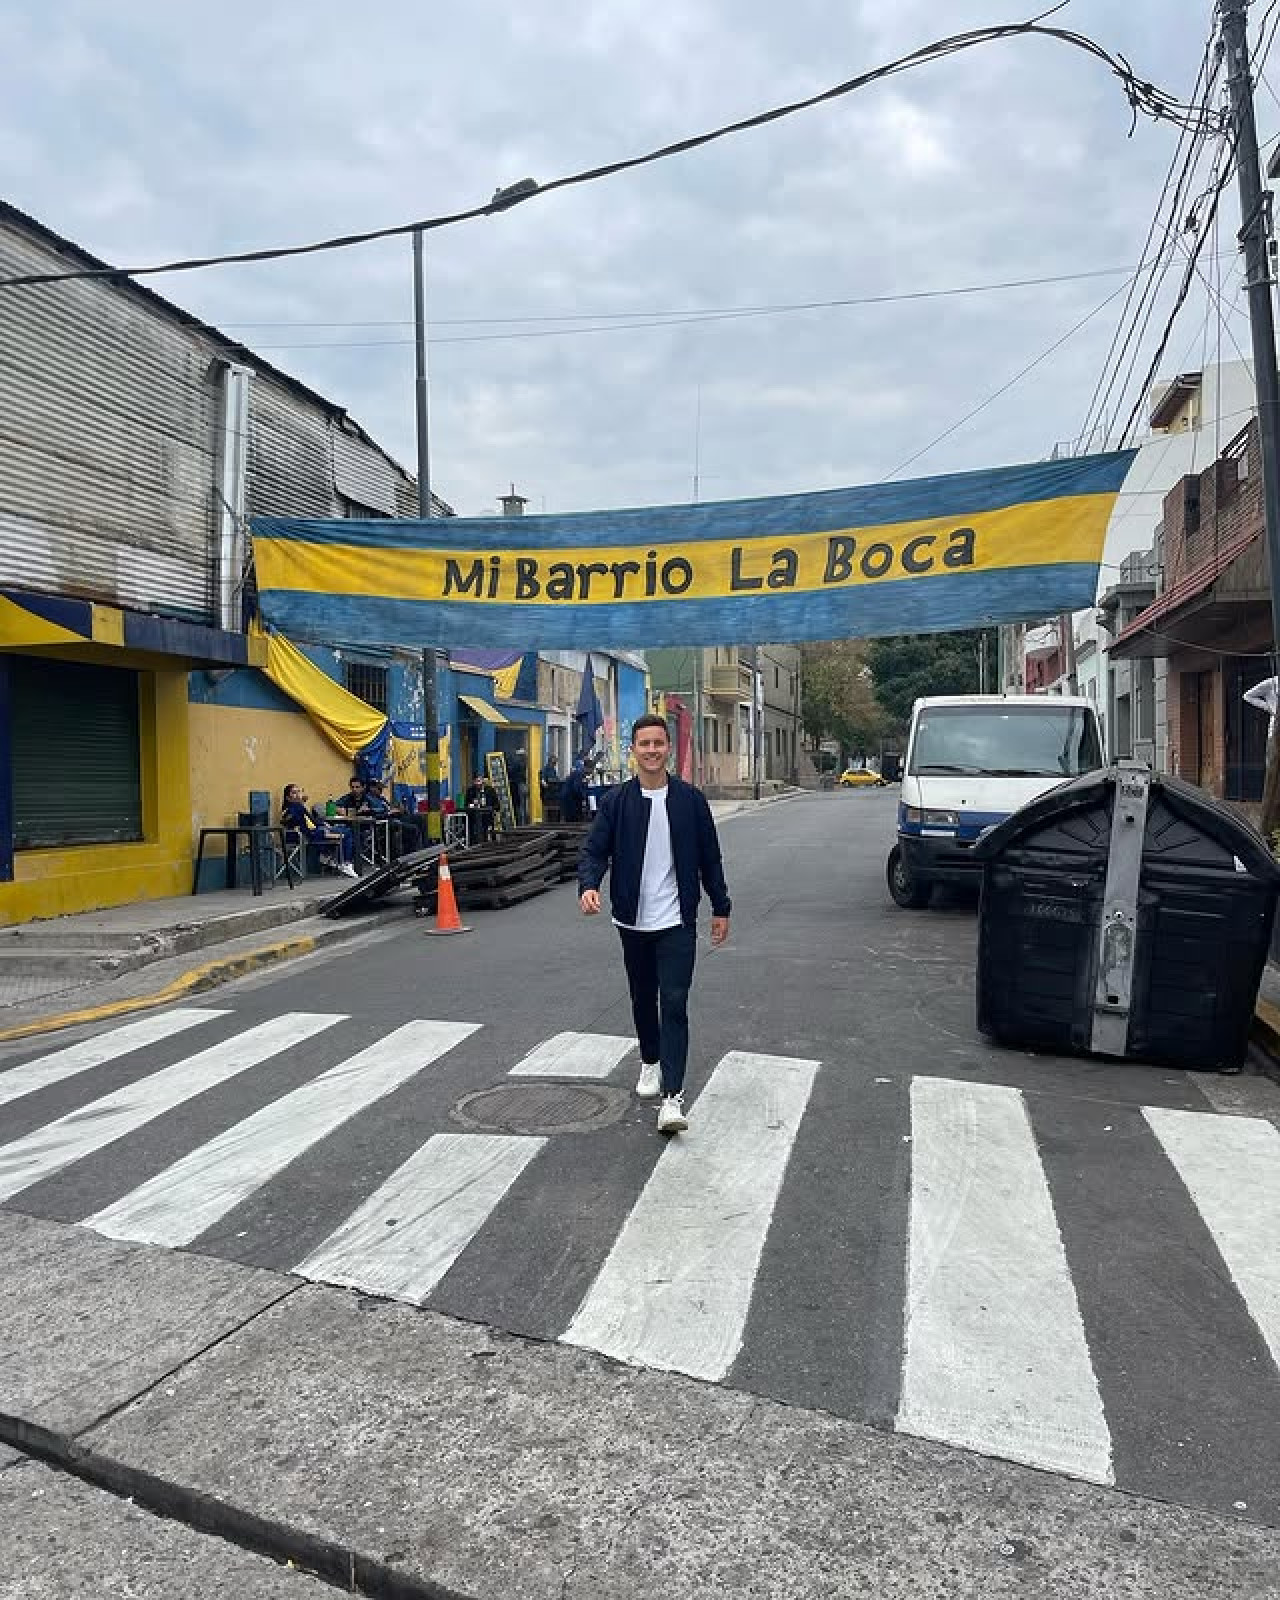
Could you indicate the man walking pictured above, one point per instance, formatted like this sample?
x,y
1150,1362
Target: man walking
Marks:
x,y
656,838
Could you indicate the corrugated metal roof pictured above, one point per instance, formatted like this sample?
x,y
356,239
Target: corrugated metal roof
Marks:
x,y
231,348
1186,588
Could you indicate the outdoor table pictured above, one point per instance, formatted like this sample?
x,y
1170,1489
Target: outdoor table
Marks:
x,y
365,837
254,832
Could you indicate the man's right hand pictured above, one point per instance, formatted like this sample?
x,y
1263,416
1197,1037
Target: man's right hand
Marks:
x,y
590,902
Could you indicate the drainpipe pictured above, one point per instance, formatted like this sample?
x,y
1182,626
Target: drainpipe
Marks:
x,y
233,455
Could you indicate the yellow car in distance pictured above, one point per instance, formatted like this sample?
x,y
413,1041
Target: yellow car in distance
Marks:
x,y
861,778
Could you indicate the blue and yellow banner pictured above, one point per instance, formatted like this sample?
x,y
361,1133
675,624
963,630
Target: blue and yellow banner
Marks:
x,y
930,555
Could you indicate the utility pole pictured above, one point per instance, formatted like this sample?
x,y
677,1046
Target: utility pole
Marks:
x,y
430,687
1255,237
757,718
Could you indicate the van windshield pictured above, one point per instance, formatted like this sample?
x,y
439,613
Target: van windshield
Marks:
x,y
1004,741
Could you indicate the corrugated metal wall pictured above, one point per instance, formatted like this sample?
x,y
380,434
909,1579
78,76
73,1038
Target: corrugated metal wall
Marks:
x,y
290,460
109,436
106,443
362,475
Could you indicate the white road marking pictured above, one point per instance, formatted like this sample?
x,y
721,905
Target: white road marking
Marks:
x,y
178,1204
95,1052
56,1145
996,1357
675,1289
409,1232
1231,1168
574,1055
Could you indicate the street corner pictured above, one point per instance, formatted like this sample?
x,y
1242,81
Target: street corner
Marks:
x,y
195,980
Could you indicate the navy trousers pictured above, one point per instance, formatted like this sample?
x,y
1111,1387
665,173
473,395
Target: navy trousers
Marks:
x,y
660,972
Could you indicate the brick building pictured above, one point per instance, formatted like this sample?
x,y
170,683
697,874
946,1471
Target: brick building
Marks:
x,y
1211,621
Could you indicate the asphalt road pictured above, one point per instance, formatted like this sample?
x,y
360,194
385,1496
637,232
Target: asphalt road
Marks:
x,y
874,1213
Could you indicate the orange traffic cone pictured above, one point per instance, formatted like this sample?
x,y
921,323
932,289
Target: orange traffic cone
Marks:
x,y
447,918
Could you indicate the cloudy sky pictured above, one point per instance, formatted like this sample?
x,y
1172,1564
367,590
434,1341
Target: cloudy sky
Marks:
x,y
146,131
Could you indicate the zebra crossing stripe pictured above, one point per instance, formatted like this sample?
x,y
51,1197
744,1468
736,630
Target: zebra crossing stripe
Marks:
x,y
996,1358
675,1290
1231,1169
178,1204
50,1148
409,1232
574,1055
95,1052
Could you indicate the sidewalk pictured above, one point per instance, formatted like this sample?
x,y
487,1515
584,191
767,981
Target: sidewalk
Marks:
x,y
398,1452
108,963
102,964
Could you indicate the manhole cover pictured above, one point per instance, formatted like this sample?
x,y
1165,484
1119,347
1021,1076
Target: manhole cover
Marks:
x,y
541,1108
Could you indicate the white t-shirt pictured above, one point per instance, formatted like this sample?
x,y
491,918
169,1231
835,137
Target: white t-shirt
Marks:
x,y
659,906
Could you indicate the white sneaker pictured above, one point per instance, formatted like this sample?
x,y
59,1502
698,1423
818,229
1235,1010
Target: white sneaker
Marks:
x,y
348,871
671,1116
649,1083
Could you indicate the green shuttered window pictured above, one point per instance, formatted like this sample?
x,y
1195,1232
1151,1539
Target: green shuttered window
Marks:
x,y
76,766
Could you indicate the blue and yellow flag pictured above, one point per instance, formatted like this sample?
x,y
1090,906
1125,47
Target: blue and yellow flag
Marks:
x,y
930,555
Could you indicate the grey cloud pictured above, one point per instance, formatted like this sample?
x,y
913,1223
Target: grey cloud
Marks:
x,y
146,130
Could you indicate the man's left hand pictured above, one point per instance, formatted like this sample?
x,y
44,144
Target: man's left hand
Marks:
x,y
719,930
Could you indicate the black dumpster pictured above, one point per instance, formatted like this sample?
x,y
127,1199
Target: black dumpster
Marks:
x,y
1125,914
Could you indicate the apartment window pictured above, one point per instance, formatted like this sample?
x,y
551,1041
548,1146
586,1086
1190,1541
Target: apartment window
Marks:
x,y
777,679
728,738
367,682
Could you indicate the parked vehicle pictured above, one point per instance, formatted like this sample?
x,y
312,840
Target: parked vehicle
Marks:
x,y
973,760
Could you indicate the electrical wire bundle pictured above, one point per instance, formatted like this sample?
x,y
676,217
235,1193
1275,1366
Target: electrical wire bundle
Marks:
x,y
1187,203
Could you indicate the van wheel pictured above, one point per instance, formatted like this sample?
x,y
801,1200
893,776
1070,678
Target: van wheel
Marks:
x,y
908,891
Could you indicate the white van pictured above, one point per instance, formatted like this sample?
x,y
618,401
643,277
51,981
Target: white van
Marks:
x,y
972,760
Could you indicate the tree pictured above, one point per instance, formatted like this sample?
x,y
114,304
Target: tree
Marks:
x,y
838,697
910,665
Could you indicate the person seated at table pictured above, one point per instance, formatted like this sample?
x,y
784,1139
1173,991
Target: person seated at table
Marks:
x,y
482,798
335,844
408,831
356,799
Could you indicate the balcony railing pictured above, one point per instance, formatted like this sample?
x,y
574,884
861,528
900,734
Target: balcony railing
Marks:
x,y
732,682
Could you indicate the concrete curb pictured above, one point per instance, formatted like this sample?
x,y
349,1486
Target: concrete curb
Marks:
x,y
333,1563
208,975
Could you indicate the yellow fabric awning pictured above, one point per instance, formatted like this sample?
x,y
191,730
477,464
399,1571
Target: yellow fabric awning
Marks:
x,y
483,709
344,719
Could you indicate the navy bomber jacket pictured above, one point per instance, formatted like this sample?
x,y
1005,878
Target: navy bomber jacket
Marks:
x,y
616,844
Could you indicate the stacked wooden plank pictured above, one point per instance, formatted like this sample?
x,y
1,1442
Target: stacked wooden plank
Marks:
x,y
567,837
513,867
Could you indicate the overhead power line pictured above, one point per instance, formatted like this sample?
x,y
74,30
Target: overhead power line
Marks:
x,y
638,321
1184,288
1157,253
705,311
1144,99
1008,384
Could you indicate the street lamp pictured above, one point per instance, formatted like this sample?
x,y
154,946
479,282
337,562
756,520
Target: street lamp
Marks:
x,y
502,200
430,685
